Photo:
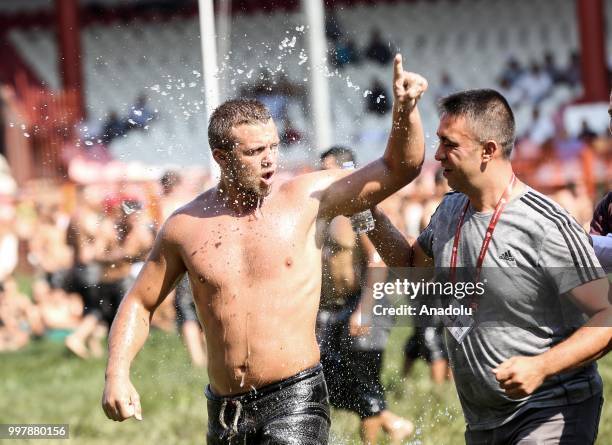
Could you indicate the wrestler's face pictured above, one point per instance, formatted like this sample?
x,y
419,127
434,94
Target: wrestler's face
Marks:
x,y
459,152
253,160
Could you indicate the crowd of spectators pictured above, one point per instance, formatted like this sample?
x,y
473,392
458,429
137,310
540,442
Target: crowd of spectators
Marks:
x,y
531,84
546,153
551,159
70,252
81,247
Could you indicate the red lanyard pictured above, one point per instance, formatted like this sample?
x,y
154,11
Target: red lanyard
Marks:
x,y
487,239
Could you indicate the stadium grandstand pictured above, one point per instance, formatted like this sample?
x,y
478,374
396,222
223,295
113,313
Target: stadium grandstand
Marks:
x,y
152,48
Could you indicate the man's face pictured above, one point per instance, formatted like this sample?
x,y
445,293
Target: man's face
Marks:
x,y
459,151
253,160
329,163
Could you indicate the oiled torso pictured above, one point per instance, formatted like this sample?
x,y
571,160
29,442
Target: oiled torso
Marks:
x,y
256,280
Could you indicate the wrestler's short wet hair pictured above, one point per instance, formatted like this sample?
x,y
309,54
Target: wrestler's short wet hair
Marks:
x,y
487,113
232,114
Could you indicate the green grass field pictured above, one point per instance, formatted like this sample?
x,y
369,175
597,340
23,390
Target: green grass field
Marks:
x,y
43,384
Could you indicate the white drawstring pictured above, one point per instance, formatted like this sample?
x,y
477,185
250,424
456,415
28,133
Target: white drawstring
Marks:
x,y
237,416
234,429
222,415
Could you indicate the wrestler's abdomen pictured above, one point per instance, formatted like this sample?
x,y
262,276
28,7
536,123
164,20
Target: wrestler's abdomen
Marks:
x,y
257,295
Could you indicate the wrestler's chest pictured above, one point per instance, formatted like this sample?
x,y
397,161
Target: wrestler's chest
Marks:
x,y
241,251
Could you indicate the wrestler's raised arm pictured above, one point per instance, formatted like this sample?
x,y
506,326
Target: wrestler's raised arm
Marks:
x,y
344,193
130,329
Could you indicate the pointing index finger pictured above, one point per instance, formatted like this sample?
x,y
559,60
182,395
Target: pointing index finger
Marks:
x,y
398,69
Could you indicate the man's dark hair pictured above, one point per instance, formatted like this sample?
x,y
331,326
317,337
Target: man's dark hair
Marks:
x,y
232,114
340,154
488,115
169,180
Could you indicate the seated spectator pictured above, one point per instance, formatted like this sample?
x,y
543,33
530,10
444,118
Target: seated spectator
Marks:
x,y
551,68
377,50
140,115
378,101
572,73
512,72
345,53
512,93
18,318
60,313
446,87
113,127
536,84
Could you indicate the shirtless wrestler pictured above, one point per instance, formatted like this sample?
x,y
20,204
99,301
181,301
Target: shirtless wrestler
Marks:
x,y
252,251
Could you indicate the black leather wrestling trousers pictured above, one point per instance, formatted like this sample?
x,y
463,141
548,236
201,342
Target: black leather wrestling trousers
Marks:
x,y
294,411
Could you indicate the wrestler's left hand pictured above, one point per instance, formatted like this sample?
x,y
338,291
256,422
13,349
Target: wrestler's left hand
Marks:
x,y
520,376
